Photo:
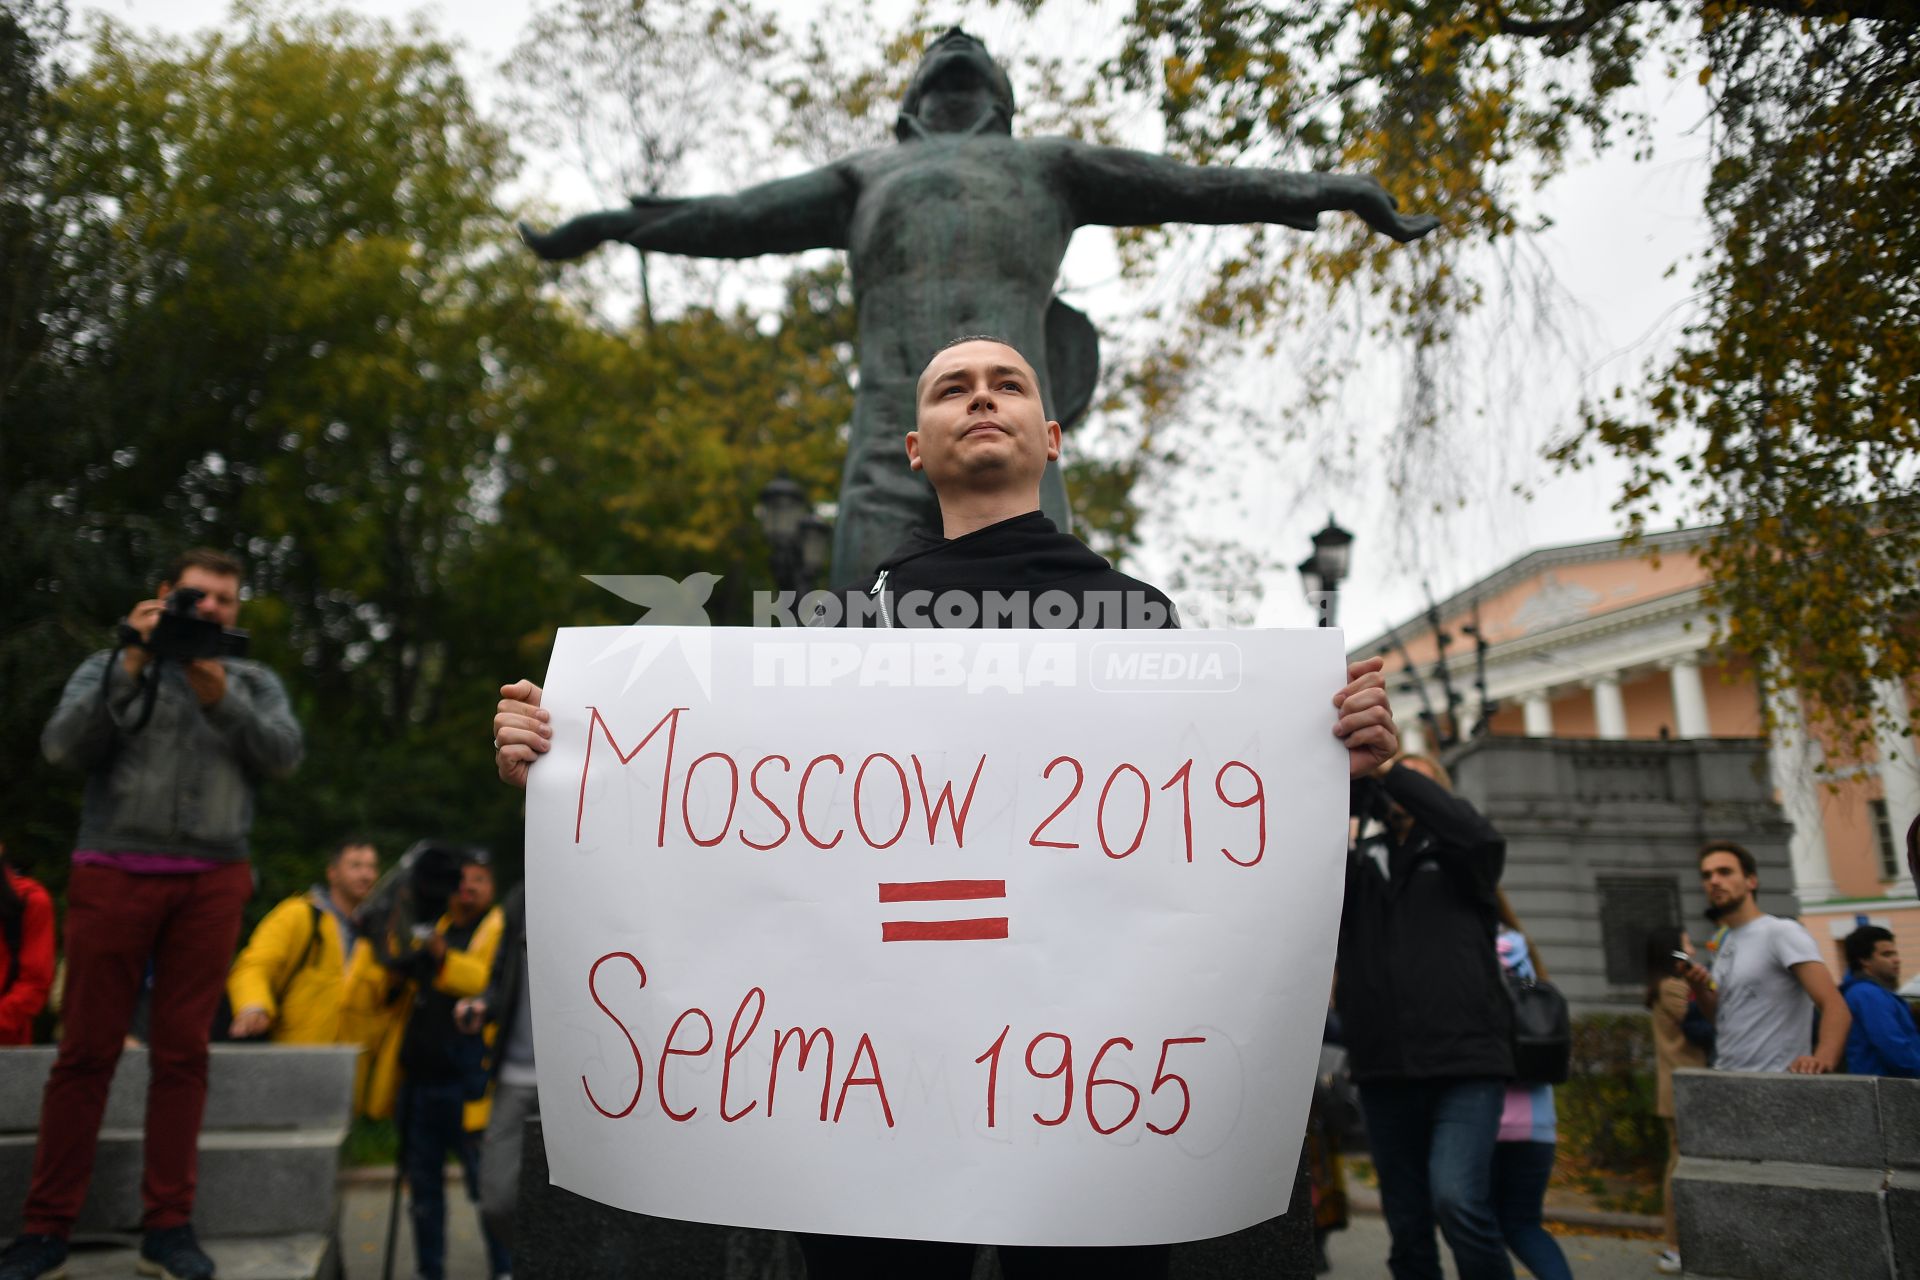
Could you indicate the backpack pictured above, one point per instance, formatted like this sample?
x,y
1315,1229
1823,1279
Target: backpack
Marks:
x,y
223,1012
1542,1031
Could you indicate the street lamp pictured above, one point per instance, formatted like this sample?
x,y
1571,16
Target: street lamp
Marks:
x,y
1322,572
799,539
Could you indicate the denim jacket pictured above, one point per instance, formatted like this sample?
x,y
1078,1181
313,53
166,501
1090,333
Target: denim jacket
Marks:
x,y
184,783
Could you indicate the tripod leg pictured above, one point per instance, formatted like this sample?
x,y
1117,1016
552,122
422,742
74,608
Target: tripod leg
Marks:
x,y
399,1179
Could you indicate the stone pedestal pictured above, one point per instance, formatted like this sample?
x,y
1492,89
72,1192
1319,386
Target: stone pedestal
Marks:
x,y
1783,1177
559,1234
267,1202
1602,839
1764,1221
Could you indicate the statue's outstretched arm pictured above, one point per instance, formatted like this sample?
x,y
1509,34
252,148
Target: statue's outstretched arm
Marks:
x,y
810,211
1115,187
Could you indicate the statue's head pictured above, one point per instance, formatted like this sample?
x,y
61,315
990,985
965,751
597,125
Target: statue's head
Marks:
x,y
958,88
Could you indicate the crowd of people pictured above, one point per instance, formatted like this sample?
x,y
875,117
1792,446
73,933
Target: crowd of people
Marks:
x,y
173,730
1460,1127
1450,1027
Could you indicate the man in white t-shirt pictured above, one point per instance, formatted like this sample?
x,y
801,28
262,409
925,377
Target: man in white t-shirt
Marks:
x,y
1767,979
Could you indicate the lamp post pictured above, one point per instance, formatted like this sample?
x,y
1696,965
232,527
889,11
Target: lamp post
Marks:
x,y
799,539
1322,572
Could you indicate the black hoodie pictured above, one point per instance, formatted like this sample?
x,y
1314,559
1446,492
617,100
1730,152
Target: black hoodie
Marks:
x,y
1017,573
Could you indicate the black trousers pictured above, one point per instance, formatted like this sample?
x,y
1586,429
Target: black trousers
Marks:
x,y
868,1258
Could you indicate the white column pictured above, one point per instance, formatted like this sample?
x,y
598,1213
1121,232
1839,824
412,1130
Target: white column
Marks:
x,y
1689,698
1792,761
1609,712
1537,707
1469,712
1899,771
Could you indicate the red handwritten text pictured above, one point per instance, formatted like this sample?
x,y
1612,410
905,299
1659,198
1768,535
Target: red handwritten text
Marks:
x,y
737,1097
1049,1056
883,797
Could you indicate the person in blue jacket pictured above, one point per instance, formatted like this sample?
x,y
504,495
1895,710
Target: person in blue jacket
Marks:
x,y
1883,1040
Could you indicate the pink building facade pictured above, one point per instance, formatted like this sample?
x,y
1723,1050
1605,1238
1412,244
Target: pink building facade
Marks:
x,y
1596,640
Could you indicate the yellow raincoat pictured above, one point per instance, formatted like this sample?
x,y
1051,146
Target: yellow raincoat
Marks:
x,y
308,969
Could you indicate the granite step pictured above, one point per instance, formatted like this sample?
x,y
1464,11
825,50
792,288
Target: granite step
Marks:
x,y
248,1087
301,1257
1774,1220
252,1183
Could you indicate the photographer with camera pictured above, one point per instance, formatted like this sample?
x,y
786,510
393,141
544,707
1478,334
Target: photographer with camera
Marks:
x,y
174,728
433,931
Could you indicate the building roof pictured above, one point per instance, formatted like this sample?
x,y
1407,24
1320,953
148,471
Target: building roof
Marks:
x,y
1521,569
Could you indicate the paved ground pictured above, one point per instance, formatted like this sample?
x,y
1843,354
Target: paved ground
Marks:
x,y
363,1234
1361,1251
277,1258
1358,1253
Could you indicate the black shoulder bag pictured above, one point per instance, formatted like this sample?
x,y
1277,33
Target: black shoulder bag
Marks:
x,y
1542,1031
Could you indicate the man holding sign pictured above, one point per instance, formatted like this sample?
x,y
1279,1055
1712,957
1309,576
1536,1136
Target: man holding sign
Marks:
x,y
931,1136
983,439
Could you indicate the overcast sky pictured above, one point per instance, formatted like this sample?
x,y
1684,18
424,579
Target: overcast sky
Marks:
x,y
1618,228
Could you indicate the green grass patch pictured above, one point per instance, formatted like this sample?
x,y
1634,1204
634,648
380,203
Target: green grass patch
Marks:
x,y
371,1142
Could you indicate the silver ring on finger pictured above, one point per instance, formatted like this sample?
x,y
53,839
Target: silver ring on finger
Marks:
x,y
496,744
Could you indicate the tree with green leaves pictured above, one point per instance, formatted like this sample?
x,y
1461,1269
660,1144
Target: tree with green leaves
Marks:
x,y
302,362
70,550
262,294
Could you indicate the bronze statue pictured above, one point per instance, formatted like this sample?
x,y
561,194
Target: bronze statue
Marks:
x,y
961,229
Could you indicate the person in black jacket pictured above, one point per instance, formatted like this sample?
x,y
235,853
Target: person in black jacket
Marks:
x,y
1426,1015
1018,572
983,439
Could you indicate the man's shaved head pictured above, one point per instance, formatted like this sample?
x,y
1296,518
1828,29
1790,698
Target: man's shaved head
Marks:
x,y
966,339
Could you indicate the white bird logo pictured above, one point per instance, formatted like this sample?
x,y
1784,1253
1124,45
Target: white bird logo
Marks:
x,y
680,605
667,603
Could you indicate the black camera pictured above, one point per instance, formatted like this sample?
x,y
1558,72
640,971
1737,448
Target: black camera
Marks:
x,y
182,634
398,916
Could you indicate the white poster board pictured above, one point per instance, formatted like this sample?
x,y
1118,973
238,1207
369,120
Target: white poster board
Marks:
x,y
1015,937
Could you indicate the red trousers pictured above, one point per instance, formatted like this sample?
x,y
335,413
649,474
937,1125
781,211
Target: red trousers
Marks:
x,y
187,925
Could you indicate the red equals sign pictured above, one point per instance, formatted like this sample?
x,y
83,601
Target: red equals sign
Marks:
x,y
982,927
